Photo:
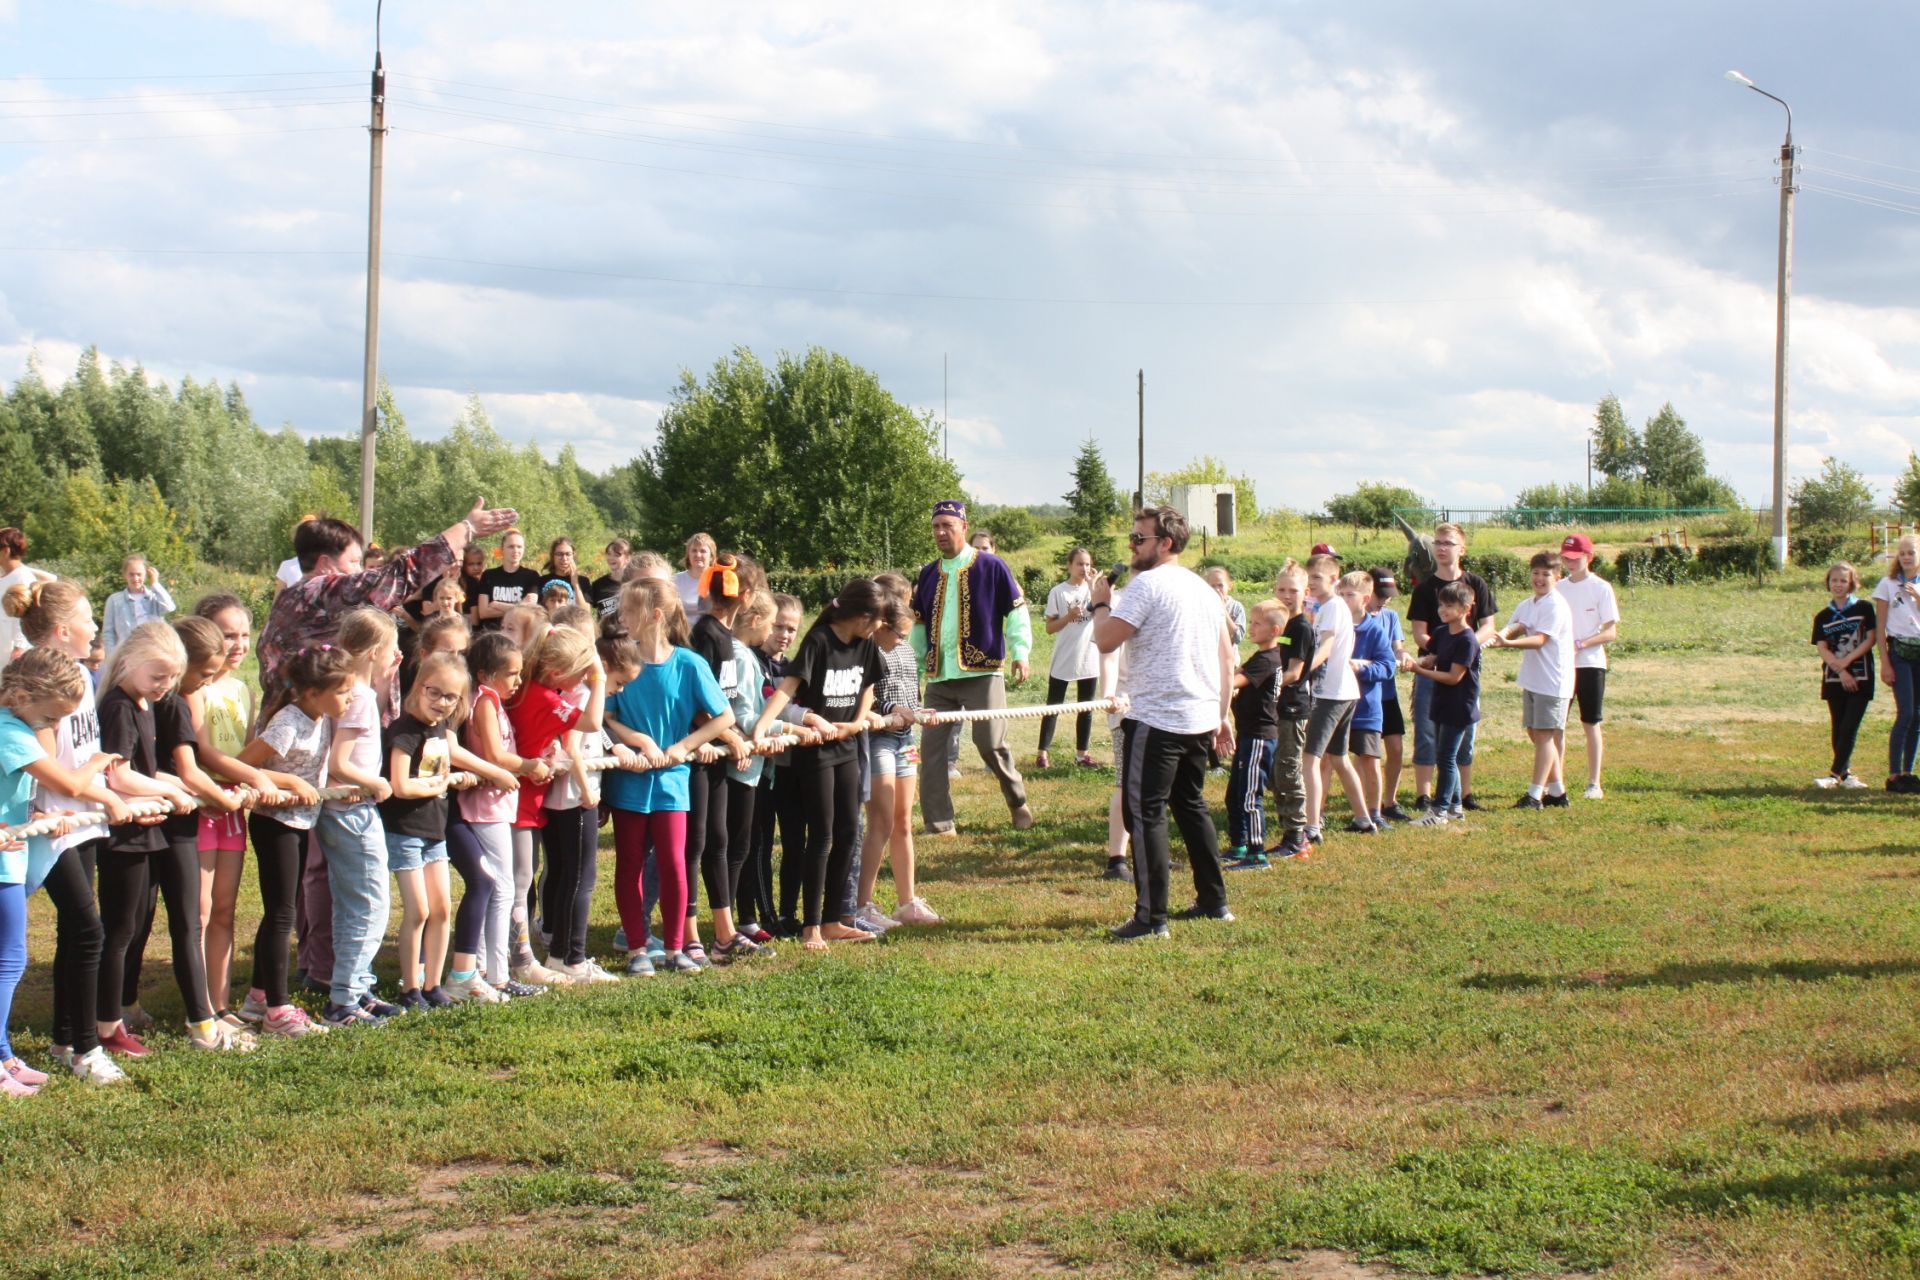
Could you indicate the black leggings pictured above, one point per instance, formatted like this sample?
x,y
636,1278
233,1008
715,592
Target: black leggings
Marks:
x,y
469,859
1847,711
792,817
707,838
571,840
740,801
124,882
831,796
137,948
78,939
1082,722
279,853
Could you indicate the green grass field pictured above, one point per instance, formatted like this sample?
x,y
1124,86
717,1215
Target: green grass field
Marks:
x,y
1670,1033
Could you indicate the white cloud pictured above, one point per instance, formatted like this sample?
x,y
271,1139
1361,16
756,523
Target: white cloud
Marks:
x,y
1426,316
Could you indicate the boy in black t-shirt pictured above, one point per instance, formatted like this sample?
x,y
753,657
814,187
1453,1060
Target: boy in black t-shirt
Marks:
x,y
1424,621
1255,727
1452,665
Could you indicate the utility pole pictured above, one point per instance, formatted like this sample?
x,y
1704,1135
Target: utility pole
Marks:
x,y
1140,488
369,414
946,427
1780,351
1781,297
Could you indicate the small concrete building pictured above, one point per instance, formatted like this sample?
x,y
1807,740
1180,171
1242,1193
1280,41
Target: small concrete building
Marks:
x,y
1207,507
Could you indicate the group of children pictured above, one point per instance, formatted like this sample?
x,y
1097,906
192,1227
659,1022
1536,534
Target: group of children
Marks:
x,y
1317,699
403,752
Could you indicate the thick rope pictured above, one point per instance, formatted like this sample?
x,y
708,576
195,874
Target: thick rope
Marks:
x,y
596,764
1116,705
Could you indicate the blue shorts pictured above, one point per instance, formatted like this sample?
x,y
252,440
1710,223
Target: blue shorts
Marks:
x,y
411,853
891,753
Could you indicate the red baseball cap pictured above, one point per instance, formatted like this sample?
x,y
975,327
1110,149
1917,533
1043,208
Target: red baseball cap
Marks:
x,y
1324,549
1578,543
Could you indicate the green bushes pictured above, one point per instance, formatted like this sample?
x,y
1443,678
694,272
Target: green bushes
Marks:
x,y
1639,566
1501,570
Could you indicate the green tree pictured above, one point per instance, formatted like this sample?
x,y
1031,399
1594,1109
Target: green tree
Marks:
x,y
1906,490
1371,505
1093,504
809,464
1672,456
1013,528
97,525
1616,446
1206,469
1837,497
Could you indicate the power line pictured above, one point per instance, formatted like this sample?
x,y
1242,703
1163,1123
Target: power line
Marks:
x,y
210,75
1090,181
1879,164
1854,177
894,294
949,198
169,137
923,139
1858,198
183,111
190,93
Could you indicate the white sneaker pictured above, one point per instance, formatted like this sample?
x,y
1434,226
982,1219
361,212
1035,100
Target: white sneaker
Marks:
x,y
872,919
534,975
222,1038
594,973
474,990
1594,792
95,1067
563,975
916,911
1826,782
1852,782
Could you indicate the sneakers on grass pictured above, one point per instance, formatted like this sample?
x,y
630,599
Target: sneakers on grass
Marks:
x,y
1394,813
871,918
916,911
1136,930
290,1023
1528,802
1198,912
1595,792
95,1067
348,1015
1431,818
472,989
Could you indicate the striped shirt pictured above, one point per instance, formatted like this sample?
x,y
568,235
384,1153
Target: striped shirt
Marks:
x,y
899,681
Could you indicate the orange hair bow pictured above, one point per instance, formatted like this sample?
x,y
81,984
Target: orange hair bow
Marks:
x,y
723,570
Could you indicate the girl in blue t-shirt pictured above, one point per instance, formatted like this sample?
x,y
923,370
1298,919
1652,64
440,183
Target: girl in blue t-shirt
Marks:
x,y
38,689
674,700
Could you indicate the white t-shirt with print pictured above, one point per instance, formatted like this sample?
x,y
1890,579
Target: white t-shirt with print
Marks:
x,y
1548,670
1333,633
1173,657
1903,615
1592,604
1074,657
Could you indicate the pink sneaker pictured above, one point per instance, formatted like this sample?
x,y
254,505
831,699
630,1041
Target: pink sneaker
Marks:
x,y
11,1088
23,1073
123,1041
291,1021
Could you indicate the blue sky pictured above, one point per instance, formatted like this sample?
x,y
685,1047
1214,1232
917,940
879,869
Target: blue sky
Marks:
x,y
1400,241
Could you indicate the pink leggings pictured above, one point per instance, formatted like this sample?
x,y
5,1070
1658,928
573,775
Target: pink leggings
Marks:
x,y
666,835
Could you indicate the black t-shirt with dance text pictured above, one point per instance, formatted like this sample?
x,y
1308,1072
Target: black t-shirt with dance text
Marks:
x,y
510,587
832,677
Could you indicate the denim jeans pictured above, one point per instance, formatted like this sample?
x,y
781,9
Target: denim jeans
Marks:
x,y
1905,738
1425,748
1449,741
355,845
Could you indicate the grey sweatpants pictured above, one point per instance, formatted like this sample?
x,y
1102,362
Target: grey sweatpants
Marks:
x,y
971,693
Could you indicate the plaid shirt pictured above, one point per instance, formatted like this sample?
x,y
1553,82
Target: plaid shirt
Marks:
x,y
309,613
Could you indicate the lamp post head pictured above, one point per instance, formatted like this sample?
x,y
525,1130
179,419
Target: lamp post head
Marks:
x,y
1740,79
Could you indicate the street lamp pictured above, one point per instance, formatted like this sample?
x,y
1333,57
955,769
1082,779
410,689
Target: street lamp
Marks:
x,y
1780,328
